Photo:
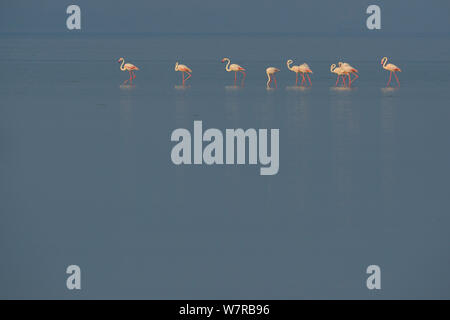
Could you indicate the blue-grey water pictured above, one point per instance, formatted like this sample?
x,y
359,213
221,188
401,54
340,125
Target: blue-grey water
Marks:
x,y
87,179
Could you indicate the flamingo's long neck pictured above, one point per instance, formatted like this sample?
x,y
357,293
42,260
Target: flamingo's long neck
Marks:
x,y
333,66
176,66
289,65
121,66
227,67
385,61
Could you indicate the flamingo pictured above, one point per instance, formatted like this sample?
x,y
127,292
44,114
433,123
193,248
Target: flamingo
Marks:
x,y
392,68
339,71
234,67
303,69
271,74
295,69
128,67
183,69
349,70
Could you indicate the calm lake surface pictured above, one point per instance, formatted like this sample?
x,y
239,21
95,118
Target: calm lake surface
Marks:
x,y
86,176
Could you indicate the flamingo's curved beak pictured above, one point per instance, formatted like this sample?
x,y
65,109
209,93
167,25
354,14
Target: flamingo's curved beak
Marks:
x,y
223,60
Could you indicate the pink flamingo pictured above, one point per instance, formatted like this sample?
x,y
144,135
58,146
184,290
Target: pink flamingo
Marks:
x,y
183,69
271,74
236,68
339,72
128,67
392,68
349,70
303,69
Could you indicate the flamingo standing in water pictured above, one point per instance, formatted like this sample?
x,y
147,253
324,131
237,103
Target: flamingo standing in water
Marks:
x,y
128,67
183,69
234,67
339,71
392,68
303,69
349,70
295,69
271,74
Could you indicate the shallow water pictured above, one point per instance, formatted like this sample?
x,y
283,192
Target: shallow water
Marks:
x,y
86,175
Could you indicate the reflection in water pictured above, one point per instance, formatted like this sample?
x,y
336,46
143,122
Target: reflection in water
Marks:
x,y
268,108
181,120
181,114
267,114
127,154
345,135
180,87
297,88
232,88
232,98
127,86
342,89
388,155
388,90
298,137
232,114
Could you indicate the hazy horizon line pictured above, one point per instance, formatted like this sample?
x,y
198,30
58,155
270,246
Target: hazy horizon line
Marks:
x,y
376,34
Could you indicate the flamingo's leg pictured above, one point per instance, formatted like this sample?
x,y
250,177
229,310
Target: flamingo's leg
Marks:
x,y
244,75
131,77
296,78
303,79
235,77
390,76
337,80
349,81
397,79
275,80
356,76
343,80
309,79
189,75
